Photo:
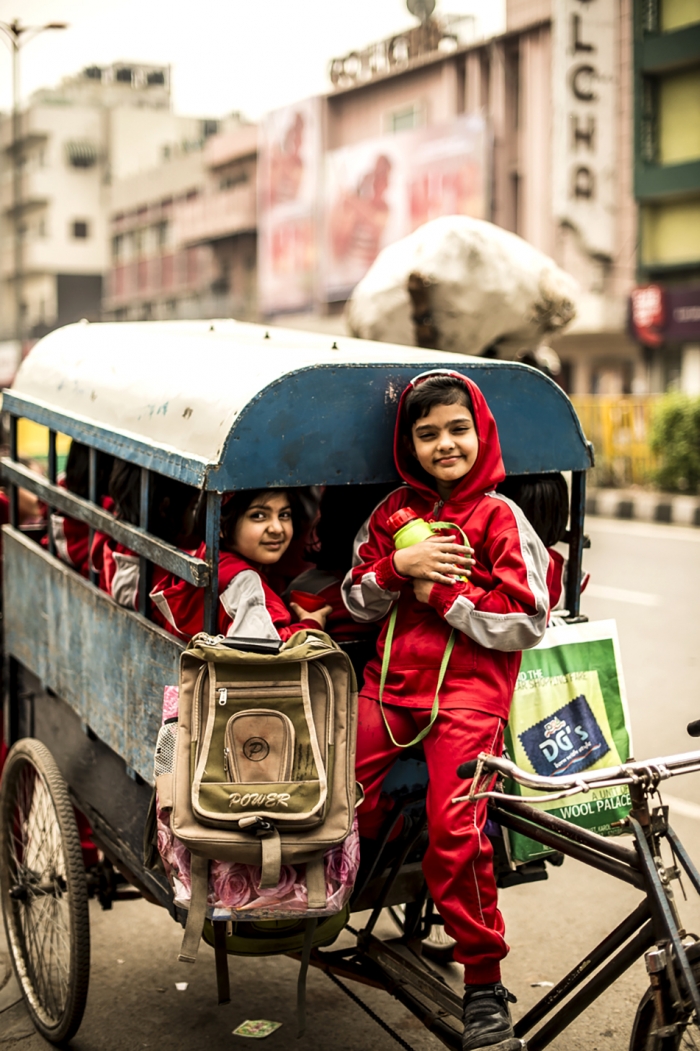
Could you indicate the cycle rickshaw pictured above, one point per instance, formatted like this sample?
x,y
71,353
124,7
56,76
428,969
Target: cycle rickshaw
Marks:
x,y
224,406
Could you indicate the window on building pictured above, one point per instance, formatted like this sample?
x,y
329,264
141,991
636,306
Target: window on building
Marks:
x,y
406,118
124,75
162,231
231,179
156,76
81,229
117,247
81,154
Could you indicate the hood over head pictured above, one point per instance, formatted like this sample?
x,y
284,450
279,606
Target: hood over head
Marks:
x,y
488,470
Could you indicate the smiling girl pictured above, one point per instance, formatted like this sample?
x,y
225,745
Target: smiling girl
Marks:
x,y
256,529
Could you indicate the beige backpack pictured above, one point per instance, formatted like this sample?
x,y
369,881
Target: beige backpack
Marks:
x,y
264,765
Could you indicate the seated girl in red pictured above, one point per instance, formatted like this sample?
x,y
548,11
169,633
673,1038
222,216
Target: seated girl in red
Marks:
x,y
256,530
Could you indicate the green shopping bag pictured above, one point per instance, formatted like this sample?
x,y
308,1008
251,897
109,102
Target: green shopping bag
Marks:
x,y
569,715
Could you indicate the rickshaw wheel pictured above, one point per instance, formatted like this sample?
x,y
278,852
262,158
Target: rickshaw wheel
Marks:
x,y
687,1037
43,891
438,946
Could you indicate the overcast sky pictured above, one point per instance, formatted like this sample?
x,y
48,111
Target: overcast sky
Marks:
x,y
248,55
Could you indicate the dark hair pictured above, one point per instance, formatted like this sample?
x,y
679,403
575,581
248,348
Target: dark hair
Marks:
x,y
78,471
343,510
125,490
169,500
544,500
238,503
436,390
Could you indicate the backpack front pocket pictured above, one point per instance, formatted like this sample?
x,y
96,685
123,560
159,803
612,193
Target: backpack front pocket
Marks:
x,y
262,749
259,747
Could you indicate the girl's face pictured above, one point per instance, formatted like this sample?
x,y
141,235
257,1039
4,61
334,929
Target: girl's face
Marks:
x,y
264,531
445,444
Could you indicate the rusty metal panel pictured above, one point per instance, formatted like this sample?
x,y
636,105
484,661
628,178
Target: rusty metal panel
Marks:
x,y
108,664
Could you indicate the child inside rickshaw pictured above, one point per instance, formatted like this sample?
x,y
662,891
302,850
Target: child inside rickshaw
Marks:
x,y
447,452
256,530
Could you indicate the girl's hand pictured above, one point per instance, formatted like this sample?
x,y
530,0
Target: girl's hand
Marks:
x,y
422,589
319,615
438,559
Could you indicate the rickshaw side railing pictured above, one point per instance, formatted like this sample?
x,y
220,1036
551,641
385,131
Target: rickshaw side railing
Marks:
x,y
149,548
194,570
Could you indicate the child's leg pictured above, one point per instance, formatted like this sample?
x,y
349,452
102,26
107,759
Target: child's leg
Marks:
x,y
375,755
458,863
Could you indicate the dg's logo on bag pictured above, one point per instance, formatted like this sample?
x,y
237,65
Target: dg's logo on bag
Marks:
x,y
568,740
256,749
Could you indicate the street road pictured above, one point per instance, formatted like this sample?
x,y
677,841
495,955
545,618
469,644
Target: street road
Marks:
x,y
645,576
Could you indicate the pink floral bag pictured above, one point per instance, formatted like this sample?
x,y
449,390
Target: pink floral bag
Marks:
x,y
234,891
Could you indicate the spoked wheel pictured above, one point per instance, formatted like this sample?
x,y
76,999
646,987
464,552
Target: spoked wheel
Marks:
x,y
645,1035
438,946
43,891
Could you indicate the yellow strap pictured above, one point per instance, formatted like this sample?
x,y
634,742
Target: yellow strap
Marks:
x,y
385,668
443,667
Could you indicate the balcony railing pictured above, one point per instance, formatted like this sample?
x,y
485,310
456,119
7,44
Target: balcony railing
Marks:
x,y
217,215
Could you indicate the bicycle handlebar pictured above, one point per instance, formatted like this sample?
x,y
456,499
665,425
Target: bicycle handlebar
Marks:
x,y
650,770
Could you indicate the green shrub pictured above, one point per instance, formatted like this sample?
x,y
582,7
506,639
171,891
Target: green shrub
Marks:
x,y
675,439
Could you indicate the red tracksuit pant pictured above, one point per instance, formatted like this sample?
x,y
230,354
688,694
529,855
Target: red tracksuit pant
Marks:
x,y
458,863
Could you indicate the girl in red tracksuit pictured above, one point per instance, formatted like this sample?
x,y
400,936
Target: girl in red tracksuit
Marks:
x,y
447,452
256,530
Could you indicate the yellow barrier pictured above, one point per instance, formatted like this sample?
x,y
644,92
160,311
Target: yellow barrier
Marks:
x,y
33,442
619,430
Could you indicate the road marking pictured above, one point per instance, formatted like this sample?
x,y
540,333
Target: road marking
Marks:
x,y
637,598
645,530
681,806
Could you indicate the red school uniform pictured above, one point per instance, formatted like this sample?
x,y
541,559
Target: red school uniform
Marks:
x,y
501,610
339,625
248,606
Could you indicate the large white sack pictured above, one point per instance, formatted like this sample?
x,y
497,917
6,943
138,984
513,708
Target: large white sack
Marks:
x,y
484,285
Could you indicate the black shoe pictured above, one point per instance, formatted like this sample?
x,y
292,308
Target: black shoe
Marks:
x,y
486,1018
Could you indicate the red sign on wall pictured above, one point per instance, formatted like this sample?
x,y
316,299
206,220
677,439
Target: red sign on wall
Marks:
x,y
648,314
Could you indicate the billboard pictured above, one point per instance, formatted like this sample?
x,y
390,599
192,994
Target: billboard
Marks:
x,y
585,67
382,189
288,191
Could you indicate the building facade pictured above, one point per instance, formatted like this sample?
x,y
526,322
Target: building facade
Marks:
x,y
665,306
183,234
554,93
533,129
100,126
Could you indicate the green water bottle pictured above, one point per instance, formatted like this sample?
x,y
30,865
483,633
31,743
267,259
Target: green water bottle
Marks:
x,y
409,529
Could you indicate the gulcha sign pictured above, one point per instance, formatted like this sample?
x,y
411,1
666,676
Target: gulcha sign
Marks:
x,y
585,96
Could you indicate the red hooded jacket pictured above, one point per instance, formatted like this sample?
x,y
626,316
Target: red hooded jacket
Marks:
x,y
500,611
248,607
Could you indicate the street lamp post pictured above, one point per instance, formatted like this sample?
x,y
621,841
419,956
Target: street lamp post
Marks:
x,y
18,35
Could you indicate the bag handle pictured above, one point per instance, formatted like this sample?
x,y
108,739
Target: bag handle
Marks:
x,y
385,668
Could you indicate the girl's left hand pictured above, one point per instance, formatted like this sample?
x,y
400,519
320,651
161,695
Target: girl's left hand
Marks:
x,y
422,589
319,615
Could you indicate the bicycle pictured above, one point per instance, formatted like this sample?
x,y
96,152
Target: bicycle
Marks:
x,y
668,1016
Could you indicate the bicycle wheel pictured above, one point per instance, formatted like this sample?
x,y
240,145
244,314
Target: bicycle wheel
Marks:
x,y
43,891
687,1037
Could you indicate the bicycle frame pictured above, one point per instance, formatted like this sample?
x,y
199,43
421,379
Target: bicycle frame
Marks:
x,y
654,922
